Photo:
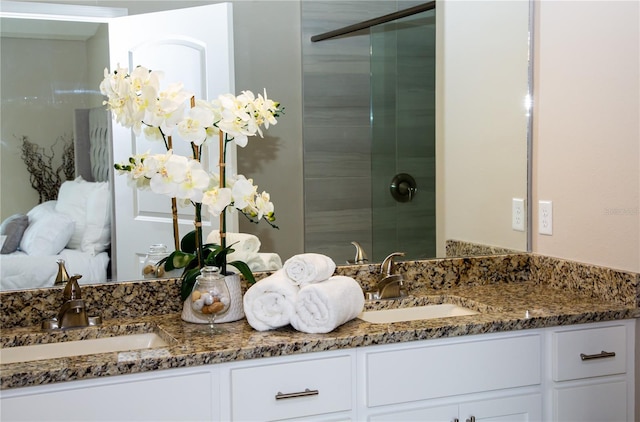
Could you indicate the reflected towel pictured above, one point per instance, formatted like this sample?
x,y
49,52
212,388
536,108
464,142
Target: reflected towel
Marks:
x,y
308,268
321,307
265,261
245,246
269,303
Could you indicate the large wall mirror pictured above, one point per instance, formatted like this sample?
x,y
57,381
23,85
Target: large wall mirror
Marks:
x,y
440,96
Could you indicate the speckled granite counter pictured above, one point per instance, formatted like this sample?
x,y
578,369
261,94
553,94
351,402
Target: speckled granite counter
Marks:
x,y
540,295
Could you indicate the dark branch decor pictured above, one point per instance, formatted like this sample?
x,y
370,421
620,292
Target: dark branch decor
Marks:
x,y
44,179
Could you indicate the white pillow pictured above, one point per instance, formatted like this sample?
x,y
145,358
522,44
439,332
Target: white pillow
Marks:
x,y
72,201
41,210
48,235
97,234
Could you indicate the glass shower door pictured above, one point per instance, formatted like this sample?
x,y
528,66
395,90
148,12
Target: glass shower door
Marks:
x,y
403,109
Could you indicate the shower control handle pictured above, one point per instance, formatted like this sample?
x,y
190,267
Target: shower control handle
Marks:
x,y
403,187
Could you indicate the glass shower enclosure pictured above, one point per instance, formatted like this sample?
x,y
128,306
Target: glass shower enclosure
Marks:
x,y
403,134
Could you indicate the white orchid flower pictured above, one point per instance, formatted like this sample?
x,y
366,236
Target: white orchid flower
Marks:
x,y
243,192
165,181
194,127
195,183
152,133
216,200
264,206
136,102
266,110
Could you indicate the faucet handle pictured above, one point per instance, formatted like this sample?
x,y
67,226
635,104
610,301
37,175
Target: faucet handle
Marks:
x,y
72,288
387,265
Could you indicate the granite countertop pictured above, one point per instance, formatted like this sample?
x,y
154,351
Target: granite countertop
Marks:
x,y
502,306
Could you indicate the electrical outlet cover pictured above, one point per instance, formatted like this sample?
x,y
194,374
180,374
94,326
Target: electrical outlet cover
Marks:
x,y
545,217
518,214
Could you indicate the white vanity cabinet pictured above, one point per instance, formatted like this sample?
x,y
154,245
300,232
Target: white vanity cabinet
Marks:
x,y
527,376
471,378
591,372
189,394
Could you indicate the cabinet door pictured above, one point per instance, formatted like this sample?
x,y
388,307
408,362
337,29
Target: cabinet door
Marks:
x,y
591,403
509,409
448,413
402,374
171,397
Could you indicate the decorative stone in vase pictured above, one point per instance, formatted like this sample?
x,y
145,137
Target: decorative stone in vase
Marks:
x,y
235,312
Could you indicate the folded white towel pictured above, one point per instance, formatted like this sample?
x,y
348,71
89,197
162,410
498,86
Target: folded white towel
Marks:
x,y
245,246
308,268
269,303
321,307
264,261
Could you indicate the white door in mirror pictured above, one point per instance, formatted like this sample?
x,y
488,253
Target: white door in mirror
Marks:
x,y
193,46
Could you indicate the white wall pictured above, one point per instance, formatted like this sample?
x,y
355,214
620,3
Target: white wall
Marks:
x,y
34,106
587,134
587,130
482,120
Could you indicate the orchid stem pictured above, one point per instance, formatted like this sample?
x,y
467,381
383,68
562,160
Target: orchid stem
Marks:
x,y
223,215
174,206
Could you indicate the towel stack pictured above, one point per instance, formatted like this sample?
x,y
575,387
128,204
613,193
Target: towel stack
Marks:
x,y
246,248
305,294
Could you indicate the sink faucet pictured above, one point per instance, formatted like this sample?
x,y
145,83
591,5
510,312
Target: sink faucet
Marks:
x,y
389,285
72,313
361,256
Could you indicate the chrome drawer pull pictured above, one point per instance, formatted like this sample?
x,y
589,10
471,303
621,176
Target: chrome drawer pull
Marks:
x,y
600,355
306,392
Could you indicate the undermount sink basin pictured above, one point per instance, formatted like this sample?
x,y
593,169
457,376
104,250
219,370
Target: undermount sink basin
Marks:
x,y
443,310
81,347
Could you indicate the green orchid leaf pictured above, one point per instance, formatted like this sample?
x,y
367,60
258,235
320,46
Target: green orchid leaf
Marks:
x,y
188,242
215,254
188,280
178,259
245,270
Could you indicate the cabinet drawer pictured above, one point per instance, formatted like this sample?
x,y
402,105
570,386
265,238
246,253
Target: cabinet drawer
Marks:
x,y
419,373
270,392
591,403
590,352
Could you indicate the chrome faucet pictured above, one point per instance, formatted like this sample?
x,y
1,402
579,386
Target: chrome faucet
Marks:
x,y
389,285
72,313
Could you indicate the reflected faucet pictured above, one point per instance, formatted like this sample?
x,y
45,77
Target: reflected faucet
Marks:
x,y
389,285
72,313
361,256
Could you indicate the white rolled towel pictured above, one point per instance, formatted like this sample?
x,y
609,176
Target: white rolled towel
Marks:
x,y
245,246
308,268
321,307
265,261
269,303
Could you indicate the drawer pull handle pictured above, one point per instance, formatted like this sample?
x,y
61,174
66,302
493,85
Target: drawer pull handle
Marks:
x,y
306,392
600,355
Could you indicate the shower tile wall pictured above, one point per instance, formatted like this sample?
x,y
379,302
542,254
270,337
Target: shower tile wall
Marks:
x,y
337,126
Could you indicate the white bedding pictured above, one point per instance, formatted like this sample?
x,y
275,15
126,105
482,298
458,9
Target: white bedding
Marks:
x,y
21,271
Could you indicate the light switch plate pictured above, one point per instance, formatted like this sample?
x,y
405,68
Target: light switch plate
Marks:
x,y
545,217
517,214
